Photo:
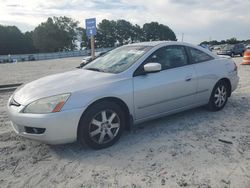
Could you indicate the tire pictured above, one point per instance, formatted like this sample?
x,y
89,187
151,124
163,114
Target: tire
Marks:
x,y
219,96
242,54
101,125
232,54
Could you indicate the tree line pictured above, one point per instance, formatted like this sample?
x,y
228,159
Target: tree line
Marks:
x,y
228,41
62,33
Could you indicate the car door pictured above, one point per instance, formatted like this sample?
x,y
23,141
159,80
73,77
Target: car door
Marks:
x,y
172,88
205,73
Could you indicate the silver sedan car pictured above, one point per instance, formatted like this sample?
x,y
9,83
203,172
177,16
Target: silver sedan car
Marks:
x,y
126,86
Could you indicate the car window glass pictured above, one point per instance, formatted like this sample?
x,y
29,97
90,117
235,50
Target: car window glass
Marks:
x,y
118,60
169,57
199,56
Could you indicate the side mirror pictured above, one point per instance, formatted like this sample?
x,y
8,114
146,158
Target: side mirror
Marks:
x,y
152,67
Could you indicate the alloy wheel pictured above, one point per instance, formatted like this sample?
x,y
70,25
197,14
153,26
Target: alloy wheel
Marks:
x,y
220,96
104,126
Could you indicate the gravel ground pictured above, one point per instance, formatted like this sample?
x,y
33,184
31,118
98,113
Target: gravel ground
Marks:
x,y
27,71
181,150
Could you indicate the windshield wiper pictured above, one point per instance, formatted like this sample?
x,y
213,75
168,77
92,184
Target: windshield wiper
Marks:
x,y
94,69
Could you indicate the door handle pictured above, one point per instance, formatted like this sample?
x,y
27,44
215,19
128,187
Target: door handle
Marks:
x,y
188,78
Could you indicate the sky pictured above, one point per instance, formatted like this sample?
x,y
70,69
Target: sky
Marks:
x,y
199,20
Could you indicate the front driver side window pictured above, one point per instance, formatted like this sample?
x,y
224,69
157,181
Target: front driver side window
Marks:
x,y
169,57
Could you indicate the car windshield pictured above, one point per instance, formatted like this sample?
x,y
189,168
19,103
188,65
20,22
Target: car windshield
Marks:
x,y
228,47
117,60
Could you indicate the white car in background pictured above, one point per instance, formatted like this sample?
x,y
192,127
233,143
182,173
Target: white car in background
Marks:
x,y
128,85
216,49
88,59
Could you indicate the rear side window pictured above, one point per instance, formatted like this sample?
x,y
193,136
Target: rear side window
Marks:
x,y
199,56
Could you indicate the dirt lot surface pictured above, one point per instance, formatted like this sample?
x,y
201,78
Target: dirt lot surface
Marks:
x,y
181,150
24,72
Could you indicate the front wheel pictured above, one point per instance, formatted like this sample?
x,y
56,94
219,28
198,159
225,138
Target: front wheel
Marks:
x,y
219,96
101,125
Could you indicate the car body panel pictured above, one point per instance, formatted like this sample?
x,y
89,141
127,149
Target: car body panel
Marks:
x,y
68,82
164,91
60,127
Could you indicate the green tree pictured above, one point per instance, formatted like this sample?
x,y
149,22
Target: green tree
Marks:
x,y
137,34
232,41
105,34
70,27
123,31
228,41
29,42
213,42
13,41
154,31
109,32
56,34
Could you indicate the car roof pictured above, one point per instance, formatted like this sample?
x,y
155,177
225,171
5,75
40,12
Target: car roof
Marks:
x,y
155,43
161,43
151,43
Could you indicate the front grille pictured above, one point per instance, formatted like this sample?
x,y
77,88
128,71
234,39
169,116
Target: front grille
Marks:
x,y
14,103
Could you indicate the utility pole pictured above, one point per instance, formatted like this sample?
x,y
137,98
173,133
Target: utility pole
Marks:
x,y
92,46
182,37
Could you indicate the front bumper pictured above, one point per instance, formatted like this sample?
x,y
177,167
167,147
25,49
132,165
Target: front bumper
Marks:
x,y
60,127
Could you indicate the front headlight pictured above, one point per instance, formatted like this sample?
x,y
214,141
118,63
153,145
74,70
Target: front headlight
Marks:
x,y
47,105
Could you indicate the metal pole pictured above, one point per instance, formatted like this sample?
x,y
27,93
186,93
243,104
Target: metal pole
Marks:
x,y
92,47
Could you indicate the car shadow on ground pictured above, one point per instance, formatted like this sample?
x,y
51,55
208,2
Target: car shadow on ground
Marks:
x,y
194,123
141,135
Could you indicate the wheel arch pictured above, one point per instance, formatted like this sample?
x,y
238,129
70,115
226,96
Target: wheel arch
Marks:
x,y
119,102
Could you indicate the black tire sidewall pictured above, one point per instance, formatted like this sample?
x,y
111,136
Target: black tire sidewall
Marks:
x,y
211,103
83,127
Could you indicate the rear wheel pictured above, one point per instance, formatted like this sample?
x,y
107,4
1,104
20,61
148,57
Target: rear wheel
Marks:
x,y
102,125
219,96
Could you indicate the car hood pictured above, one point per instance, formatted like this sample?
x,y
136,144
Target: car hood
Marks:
x,y
56,84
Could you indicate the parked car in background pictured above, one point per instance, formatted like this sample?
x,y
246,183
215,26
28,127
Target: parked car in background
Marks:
x,y
216,48
31,58
88,59
128,85
232,50
248,46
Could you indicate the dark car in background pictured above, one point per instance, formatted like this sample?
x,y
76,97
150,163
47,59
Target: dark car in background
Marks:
x,y
232,50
